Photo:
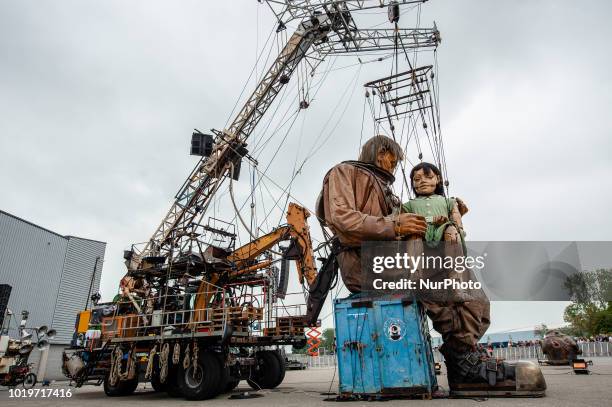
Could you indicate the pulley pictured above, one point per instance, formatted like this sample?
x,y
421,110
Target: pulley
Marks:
x,y
393,12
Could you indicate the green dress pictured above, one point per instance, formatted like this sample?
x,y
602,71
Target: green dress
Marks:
x,y
430,207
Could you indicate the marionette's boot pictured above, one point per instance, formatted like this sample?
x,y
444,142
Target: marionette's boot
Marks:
x,y
473,374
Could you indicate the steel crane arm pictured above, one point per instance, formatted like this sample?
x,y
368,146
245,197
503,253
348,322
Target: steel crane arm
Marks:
x,y
363,41
243,258
250,251
289,10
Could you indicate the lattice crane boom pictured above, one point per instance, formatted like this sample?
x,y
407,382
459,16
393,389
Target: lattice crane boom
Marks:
x,y
230,145
289,10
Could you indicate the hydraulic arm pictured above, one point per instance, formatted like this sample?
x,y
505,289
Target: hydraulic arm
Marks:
x,y
243,259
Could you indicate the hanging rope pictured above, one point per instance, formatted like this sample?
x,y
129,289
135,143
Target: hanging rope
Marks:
x,y
367,95
293,118
236,209
313,150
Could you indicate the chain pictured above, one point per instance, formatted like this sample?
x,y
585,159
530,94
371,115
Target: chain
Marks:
x,y
149,371
115,374
176,354
195,358
115,370
186,359
131,371
163,362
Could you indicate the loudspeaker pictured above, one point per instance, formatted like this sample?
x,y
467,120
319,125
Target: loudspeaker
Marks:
x,y
42,344
51,333
201,144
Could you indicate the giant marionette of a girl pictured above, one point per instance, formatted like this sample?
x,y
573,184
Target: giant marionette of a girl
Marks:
x,y
442,214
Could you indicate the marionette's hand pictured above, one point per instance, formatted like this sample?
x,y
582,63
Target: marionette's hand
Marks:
x,y
451,234
463,209
439,220
411,224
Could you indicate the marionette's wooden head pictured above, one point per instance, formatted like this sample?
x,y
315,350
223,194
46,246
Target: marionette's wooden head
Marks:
x,y
383,152
387,161
426,180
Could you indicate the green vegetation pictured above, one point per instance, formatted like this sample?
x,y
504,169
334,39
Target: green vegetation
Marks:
x,y
590,312
540,331
328,339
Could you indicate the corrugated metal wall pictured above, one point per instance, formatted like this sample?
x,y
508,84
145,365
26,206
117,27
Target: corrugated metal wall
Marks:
x,y
31,261
50,274
81,255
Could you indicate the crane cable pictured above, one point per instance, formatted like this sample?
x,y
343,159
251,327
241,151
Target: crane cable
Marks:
x,y
238,215
313,150
233,199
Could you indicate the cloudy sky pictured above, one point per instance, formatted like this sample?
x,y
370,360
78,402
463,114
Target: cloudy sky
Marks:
x,y
98,100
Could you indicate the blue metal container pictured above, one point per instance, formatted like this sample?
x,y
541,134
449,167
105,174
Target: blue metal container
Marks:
x,y
383,347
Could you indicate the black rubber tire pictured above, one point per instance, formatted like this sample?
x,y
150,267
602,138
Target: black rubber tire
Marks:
x,y
269,372
130,386
110,390
283,366
120,389
156,383
228,382
207,382
173,387
29,381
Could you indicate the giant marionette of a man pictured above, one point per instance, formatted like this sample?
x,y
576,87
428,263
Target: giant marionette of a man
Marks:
x,y
357,204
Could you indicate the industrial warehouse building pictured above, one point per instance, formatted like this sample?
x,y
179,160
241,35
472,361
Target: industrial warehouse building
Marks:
x,y
52,277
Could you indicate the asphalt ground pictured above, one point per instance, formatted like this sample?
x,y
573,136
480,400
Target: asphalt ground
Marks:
x,y
305,388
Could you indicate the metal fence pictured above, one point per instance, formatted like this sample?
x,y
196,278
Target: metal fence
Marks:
x,y
596,348
321,361
589,349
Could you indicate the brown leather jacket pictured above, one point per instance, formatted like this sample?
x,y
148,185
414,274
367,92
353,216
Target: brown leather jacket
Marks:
x,y
357,205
